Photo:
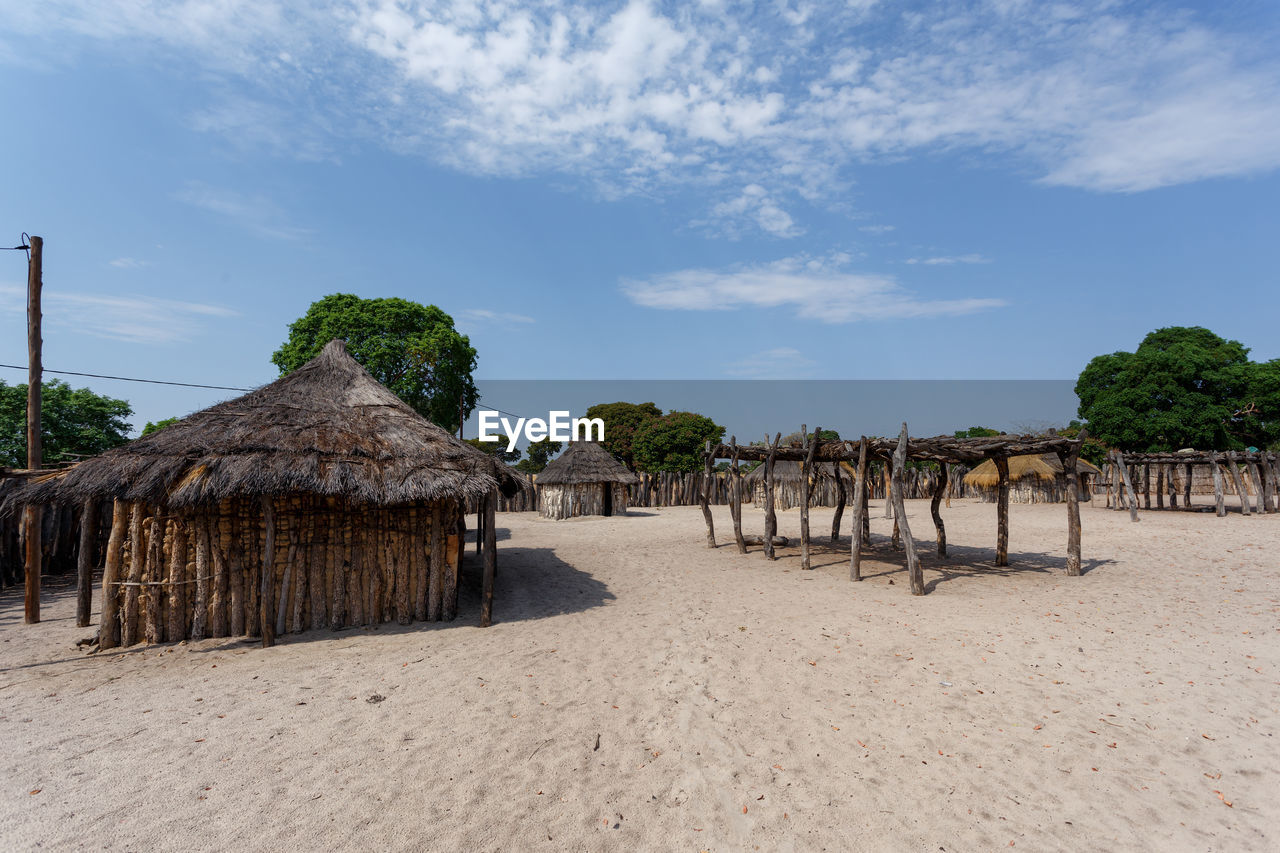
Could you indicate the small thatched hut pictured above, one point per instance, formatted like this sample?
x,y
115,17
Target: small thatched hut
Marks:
x,y
1033,478
584,480
320,499
787,486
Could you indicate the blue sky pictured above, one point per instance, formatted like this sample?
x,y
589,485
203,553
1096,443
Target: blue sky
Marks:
x,y
995,190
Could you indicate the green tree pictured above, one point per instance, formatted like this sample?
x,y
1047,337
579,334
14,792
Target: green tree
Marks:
x,y
73,421
976,432
496,449
674,442
1182,387
158,425
413,349
538,454
621,421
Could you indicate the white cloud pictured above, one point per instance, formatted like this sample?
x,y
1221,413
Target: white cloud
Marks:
x,y
633,97
257,213
753,207
948,260
476,316
128,263
812,289
876,229
777,363
134,319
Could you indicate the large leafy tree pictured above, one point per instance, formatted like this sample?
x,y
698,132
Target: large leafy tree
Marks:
x,y
674,442
411,348
73,421
538,454
156,426
1182,387
621,421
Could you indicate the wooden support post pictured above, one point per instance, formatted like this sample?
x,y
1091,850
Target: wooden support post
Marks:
x,y
1188,469
267,582
735,496
1220,503
1173,489
770,513
452,566
811,445
1238,482
214,520
204,571
1146,484
154,578
109,622
944,479
888,487
838,516
137,559
1159,487
31,515
1002,511
84,561
859,512
1072,475
176,622
435,566
490,561
914,572
1259,488
1128,484
704,495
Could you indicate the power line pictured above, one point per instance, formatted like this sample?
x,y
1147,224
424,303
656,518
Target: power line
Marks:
x,y
179,384
134,379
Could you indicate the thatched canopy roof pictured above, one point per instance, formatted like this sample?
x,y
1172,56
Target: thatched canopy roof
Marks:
x,y
786,471
585,462
328,428
1041,466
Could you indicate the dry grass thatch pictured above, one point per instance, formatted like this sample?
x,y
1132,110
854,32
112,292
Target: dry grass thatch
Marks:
x,y
586,462
328,428
1041,466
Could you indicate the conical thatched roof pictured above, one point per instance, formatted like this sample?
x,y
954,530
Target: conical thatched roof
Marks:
x,y
328,428
585,462
786,471
1045,466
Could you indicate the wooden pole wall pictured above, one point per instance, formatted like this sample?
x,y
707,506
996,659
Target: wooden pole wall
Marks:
x,y
1220,504
811,444
84,561
490,562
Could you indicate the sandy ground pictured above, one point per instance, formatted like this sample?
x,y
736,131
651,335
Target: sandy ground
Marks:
x,y
642,692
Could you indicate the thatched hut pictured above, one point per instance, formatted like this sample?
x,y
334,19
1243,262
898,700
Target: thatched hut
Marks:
x,y
584,480
1033,478
787,487
320,499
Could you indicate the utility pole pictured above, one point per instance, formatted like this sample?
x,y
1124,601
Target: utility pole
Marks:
x,y
31,514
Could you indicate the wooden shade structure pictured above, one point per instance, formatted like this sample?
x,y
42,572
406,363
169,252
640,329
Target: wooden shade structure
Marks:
x,y
893,454
319,500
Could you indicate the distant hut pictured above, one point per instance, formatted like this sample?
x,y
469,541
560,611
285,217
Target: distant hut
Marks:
x,y
584,480
787,485
319,500
1034,478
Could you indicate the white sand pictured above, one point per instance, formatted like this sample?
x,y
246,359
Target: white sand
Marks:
x,y
739,704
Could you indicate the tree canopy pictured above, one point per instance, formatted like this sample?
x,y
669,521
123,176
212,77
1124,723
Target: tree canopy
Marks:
x,y
158,425
621,421
976,432
74,421
674,442
496,449
1182,387
537,456
411,348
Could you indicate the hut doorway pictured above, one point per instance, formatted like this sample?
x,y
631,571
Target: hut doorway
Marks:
x,y
608,499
